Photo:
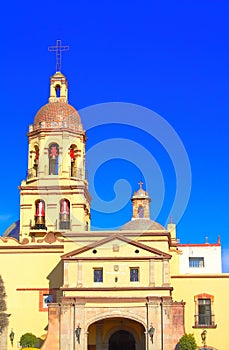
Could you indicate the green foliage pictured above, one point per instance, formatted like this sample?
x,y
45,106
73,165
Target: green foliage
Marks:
x,y
187,342
3,317
28,340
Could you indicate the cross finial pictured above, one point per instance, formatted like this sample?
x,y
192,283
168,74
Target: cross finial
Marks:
x,y
140,184
58,49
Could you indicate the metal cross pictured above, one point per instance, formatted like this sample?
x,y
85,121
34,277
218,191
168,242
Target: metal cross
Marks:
x,y
58,49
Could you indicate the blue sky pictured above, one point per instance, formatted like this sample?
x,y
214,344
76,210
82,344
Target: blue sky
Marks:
x,y
170,57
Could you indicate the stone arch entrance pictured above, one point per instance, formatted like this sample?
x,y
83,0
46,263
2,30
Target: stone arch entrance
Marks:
x,y
116,333
121,340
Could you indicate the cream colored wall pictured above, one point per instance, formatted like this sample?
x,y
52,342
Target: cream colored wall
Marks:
x,y
186,288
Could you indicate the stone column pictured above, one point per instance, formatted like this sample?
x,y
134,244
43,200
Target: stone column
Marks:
x,y
67,335
80,321
154,319
151,273
80,275
165,273
53,337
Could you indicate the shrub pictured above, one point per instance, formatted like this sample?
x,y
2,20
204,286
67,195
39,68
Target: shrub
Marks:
x,y
28,340
187,342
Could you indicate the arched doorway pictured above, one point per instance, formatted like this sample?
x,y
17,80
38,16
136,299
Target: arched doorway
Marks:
x,y
122,340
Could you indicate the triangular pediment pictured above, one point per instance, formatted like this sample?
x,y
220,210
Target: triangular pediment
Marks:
x,y
113,239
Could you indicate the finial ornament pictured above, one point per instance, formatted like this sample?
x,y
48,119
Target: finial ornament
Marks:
x,y
140,184
58,49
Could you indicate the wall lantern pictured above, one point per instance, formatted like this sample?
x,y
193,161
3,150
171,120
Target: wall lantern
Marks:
x,y
12,337
203,337
77,333
151,332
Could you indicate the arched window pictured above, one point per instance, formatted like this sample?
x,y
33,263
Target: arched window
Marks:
x,y
140,211
72,153
53,159
40,214
64,214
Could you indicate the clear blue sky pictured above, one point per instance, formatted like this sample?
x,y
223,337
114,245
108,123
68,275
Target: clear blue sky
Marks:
x,y
170,57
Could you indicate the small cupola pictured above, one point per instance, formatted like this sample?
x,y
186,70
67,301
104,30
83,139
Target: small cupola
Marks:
x,y
140,203
58,88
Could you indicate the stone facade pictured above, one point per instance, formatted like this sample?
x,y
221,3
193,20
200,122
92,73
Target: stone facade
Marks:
x,y
96,320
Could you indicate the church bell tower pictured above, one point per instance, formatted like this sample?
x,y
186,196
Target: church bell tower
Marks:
x,y
54,196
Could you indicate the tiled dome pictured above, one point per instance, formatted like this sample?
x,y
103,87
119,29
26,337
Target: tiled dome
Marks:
x,y
13,230
142,224
57,114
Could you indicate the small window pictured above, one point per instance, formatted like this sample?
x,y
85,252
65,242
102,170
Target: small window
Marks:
x,y
134,274
98,275
196,262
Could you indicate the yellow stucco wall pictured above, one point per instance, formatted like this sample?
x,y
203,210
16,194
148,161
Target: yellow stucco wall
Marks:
x,y
186,287
28,270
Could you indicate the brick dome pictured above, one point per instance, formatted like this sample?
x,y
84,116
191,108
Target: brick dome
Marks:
x,y
58,114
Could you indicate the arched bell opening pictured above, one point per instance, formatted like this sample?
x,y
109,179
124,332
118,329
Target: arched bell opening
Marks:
x,y
33,162
40,215
140,211
53,159
57,90
73,164
64,214
36,159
